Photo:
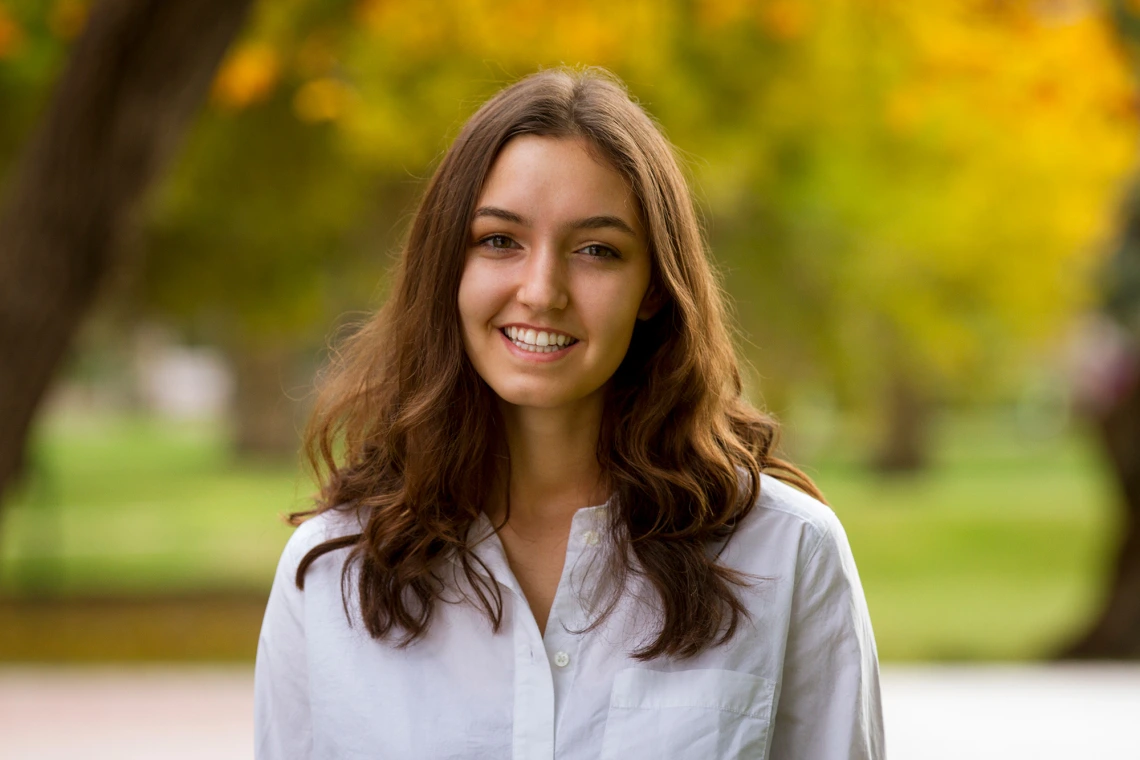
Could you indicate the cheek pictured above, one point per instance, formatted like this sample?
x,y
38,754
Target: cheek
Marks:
x,y
475,299
613,307
610,331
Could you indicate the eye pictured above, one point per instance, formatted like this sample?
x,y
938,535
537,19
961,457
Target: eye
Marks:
x,y
498,242
599,251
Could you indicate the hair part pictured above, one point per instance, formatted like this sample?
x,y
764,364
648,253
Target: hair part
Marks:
x,y
680,449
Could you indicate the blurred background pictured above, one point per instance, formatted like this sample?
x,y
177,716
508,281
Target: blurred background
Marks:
x,y
923,213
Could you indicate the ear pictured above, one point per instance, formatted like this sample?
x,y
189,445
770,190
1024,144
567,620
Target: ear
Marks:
x,y
651,302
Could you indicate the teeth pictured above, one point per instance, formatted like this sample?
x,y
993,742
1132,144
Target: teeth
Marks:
x,y
537,341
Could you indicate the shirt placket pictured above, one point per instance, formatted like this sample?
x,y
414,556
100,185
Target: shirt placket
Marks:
x,y
563,643
545,667
533,713
534,687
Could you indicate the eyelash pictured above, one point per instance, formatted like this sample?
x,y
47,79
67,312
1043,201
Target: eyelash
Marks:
x,y
607,252
610,253
487,241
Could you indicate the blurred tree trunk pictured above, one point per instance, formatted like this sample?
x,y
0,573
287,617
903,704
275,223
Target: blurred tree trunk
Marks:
x,y
905,446
1116,631
1109,393
1112,402
137,73
905,410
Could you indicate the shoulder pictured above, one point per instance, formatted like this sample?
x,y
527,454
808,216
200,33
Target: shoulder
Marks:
x,y
316,530
781,501
784,523
778,496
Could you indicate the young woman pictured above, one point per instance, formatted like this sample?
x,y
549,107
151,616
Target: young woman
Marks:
x,y
549,525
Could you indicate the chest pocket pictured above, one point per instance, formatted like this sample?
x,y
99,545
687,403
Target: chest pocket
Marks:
x,y
698,714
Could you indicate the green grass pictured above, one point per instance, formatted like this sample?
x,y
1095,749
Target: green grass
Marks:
x,y
136,506
998,553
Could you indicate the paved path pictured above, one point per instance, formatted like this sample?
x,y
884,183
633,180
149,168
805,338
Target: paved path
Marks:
x,y
932,712
126,714
1012,712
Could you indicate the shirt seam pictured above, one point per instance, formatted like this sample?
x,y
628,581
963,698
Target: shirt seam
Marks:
x,y
718,708
818,545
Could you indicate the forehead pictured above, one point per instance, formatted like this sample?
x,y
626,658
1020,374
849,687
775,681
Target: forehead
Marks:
x,y
557,179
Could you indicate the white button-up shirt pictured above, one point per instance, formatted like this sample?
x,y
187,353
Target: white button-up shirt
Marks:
x,y
800,680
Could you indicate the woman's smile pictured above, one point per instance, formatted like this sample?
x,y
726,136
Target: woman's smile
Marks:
x,y
538,343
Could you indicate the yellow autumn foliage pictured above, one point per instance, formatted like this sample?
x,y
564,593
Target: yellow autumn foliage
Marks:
x,y
11,35
881,178
324,99
247,76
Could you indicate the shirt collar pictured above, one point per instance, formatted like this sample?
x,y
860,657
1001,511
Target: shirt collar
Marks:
x,y
485,543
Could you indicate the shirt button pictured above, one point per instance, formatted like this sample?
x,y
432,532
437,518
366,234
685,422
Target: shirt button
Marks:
x,y
590,537
561,659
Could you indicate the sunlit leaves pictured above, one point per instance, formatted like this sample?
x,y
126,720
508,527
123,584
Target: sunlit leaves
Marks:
x,y
932,180
948,180
247,76
324,99
934,177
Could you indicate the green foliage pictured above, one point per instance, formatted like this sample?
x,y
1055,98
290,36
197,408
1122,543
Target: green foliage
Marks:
x,y
252,235
31,55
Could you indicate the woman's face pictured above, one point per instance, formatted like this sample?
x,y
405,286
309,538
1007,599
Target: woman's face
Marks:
x,y
556,274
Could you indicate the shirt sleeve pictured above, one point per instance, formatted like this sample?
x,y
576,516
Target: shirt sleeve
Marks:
x,y
829,706
282,722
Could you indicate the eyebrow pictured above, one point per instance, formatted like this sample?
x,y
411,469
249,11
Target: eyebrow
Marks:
x,y
589,223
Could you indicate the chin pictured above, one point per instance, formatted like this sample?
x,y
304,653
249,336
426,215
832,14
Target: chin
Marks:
x,y
536,395
533,400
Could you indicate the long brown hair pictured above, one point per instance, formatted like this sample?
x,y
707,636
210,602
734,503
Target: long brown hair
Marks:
x,y
680,449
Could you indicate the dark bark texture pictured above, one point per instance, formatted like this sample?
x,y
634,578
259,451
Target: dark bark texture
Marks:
x,y
1116,631
1115,414
905,447
136,75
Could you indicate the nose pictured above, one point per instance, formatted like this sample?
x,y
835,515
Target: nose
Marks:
x,y
543,285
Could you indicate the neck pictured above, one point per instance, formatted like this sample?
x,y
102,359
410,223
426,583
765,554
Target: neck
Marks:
x,y
554,466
